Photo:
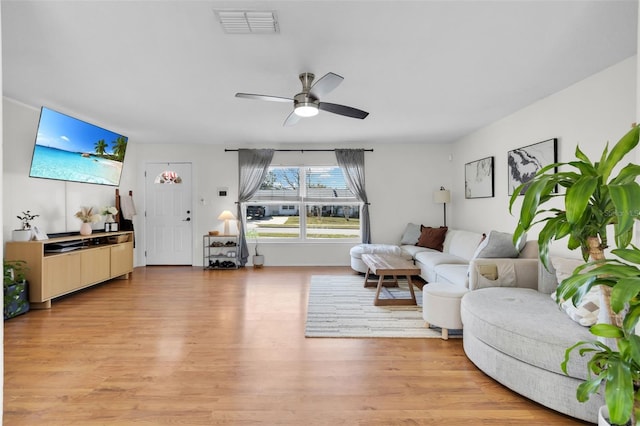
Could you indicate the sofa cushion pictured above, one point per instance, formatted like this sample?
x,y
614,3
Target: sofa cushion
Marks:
x,y
462,244
454,274
497,245
412,250
526,325
432,238
358,250
432,258
411,234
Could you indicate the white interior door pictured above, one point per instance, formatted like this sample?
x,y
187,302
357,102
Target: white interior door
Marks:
x,y
168,215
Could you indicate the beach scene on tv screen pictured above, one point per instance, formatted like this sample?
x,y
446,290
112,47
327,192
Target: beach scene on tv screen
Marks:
x,y
70,149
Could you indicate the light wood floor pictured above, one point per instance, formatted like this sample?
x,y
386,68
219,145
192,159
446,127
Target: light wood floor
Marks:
x,y
184,346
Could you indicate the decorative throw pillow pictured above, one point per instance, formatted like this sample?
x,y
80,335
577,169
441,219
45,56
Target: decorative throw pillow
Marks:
x,y
564,267
497,245
432,238
586,313
411,234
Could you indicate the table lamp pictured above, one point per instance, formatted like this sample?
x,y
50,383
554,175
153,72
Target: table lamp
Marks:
x,y
226,216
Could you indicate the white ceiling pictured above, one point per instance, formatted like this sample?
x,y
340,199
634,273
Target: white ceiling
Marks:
x,y
426,71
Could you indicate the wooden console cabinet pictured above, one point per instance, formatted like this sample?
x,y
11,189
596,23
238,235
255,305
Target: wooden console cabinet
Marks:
x,y
62,265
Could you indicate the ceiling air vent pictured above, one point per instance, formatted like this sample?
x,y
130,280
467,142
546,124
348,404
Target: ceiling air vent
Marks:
x,y
248,21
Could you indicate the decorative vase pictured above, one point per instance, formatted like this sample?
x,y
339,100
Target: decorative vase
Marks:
x,y
108,218
85,228
21,234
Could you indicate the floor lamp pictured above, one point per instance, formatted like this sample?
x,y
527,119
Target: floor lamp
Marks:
x,y
226,216
442,196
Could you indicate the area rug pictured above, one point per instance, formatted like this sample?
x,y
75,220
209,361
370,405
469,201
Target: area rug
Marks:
x,y
340,306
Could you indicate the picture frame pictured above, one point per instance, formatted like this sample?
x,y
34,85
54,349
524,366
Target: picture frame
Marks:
x,y
523,163
479,178
39,234
110,227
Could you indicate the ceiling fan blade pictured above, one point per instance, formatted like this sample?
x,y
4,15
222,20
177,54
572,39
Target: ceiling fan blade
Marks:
x,y
263,97
325,85
343,110
291,120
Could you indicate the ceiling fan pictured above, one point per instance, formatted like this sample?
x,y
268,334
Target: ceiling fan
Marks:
x,y
307,103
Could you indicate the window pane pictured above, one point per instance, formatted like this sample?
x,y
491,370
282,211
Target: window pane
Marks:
x,y
333,221
280,183
326,183
266,221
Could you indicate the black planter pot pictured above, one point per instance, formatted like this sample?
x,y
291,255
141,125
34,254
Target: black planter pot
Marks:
x,y
16,299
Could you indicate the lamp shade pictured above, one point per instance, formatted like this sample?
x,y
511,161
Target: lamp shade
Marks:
x,y
226,215
442,196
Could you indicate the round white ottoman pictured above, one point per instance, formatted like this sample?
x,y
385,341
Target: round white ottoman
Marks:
x,y
356,253
441,306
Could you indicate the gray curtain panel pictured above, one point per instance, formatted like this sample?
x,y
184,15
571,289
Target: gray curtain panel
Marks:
x,y
253,165
351,161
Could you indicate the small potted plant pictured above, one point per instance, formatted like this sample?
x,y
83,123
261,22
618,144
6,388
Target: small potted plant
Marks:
x,y
24,233
16,300
108,213
257,259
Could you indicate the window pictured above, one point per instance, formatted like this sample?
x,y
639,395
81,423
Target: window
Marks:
x,y
303,203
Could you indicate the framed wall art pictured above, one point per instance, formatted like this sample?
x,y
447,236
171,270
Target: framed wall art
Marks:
x,y
478,178
524,163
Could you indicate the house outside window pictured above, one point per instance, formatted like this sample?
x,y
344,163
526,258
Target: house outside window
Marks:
x,y
310,203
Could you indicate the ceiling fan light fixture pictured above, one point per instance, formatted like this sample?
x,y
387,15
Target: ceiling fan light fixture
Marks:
x,y
306,109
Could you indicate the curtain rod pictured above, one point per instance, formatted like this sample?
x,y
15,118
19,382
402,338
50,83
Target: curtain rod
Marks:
x,y
298,150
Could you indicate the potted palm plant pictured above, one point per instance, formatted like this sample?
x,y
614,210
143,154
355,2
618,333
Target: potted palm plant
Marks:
x,y
595,200
16,300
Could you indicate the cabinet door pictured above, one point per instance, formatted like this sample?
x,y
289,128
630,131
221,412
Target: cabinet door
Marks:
x,y
61,275
95,265
121,259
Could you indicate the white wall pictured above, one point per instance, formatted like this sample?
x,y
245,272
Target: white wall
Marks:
x,y
56,202
598,109
400,181
400,177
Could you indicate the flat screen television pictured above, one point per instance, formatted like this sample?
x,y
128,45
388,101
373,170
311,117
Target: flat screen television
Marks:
x,y
70,149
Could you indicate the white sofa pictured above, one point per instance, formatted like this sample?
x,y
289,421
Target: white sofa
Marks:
x,y
452,264
516,333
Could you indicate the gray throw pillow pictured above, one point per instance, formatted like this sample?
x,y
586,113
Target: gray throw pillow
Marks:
x,y
497,245
411,235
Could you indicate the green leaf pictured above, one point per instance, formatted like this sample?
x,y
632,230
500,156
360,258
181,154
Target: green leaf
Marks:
x,y
628,174
588,388
619,393
626,199
630,255
531,201
578,196
634,346
624,290
581,156
606,330
620,149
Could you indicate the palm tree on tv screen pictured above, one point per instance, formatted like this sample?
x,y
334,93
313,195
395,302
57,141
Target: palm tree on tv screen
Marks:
x,y
100,146
119,147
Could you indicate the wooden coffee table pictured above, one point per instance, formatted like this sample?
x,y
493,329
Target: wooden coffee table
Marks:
x,y
384,265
